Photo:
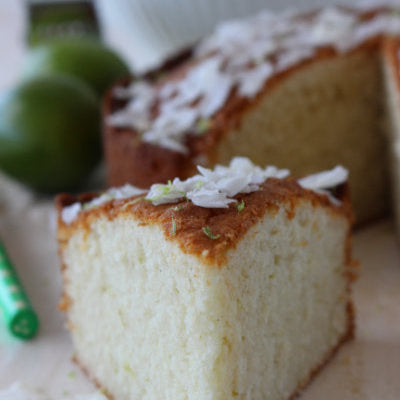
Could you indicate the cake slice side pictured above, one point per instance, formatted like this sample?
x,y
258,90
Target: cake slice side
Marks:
x,y
288,302
317,115
139,312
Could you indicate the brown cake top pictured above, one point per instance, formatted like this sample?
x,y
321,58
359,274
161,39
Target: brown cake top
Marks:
x,y
208,213
237,61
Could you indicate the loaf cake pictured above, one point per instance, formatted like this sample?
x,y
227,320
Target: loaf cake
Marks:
x,y
232,284
304,91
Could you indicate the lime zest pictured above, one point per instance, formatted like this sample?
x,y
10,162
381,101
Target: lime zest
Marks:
x,y
173,227
240,206
132,202
206,230
203,125
199,184
86,206
165,190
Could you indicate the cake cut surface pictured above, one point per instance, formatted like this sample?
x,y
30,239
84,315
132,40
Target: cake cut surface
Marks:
x,y
304,91
392,83
247,298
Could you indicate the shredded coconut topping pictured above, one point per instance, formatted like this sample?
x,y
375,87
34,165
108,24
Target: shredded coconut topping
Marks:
x,y
240,56
325,179
70,213
322,181
213,188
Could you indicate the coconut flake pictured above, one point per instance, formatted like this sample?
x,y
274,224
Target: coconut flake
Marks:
x,y
332,26
209,198
162,194
382,24
69,213
141,89
215,98
136,114
251,81
292,57
126,191
325,179
114,194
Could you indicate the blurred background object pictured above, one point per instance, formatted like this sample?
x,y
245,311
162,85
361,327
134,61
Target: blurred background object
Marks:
x,y
50,136
66,19
145,31
50,132
81,57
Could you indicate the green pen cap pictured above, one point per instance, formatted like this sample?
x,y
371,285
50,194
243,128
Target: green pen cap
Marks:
x,y
18,314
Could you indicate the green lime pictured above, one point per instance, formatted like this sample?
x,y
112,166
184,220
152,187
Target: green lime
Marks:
x,y
86,59
50,132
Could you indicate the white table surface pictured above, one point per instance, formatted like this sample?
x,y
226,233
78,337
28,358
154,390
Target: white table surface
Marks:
x,y
366,368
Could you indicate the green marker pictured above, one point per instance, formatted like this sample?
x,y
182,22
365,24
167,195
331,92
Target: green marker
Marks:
x,y
18,313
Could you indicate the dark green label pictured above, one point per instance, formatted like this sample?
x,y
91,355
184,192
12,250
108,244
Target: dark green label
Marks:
x,y
60,19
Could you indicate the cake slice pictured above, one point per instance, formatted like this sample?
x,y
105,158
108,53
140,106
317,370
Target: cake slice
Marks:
x,y
233,284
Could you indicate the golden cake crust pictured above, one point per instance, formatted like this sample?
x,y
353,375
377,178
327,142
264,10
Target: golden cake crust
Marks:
x,y
185,222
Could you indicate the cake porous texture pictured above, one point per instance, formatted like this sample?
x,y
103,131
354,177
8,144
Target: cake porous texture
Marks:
x,y
233,284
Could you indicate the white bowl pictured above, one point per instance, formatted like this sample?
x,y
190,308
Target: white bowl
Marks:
x,y
146,31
